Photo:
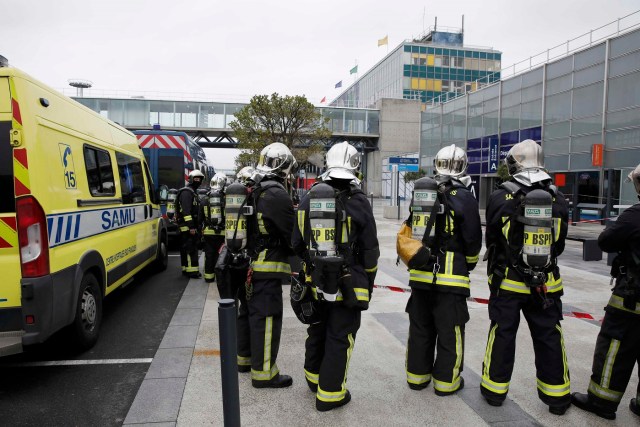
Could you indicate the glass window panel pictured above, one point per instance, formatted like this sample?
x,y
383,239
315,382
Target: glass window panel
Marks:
x,y
559,68
590,56
490,104
116,111
581,144
511,85
627,43
557,163
136,113
624,64
230,111
624,118
587,101
624,92
622,159
586,125
510,99
623,139
490,123
556,130
559,84
510,118
476,128
588,75
557,146
532,92
581,161
558,107
355,121
532,77
531,114
131,179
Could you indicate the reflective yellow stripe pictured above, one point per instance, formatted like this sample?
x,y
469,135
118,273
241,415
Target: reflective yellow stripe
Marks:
x,y
336,396
188,218
445,386
618,302
301,214
270,266
441,279
209,275
609,361
554,390
505,227
448,263
261,224
268,329
362,294
605,393
184,228
553,285
21,173
498,388
371,270
456,367
565,364
244,361
557,231
8,234
265,375
311,377
418,379
473,259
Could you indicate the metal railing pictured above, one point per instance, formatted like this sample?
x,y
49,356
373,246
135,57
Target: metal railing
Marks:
x,y
583,41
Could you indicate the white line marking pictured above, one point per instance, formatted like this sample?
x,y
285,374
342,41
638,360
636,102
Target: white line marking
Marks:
x,y
174,254
78,362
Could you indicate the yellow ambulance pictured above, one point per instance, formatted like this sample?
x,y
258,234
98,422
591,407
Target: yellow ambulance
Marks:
x,y
78,214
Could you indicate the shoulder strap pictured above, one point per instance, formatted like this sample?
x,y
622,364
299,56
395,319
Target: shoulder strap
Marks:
x,y
511,187
431,222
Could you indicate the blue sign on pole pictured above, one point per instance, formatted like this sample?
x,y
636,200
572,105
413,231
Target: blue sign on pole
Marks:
x,y
494,155
405,168
404,160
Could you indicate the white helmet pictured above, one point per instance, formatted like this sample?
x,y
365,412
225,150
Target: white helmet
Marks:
x,y
525,162
218,182
245,174
451,161
343,160
276,159
634,176
196,175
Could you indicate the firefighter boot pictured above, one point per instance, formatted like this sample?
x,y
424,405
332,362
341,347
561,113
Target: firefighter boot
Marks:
x,y
559,410
634,407
279,381
582,401
327,406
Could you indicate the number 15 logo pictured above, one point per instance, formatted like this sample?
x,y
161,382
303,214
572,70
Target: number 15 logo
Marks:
x,y
66,157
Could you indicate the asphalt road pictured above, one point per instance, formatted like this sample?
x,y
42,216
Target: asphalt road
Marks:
x,y
50,385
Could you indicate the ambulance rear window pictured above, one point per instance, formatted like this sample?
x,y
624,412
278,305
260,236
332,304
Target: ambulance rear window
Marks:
x,y
7,195
99,172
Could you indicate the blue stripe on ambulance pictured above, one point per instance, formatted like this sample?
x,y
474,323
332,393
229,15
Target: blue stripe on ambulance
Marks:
x,y
70,227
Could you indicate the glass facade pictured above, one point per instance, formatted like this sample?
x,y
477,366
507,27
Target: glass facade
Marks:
x,y
181,115
589,97
424,71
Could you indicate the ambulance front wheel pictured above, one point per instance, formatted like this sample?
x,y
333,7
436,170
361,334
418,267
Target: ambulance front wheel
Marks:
x,y
162,255
86,325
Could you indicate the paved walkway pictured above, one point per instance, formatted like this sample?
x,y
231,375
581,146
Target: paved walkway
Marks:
x,y
182,386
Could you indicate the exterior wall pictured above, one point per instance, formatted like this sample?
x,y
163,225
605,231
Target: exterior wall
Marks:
x,y
586,98
399,134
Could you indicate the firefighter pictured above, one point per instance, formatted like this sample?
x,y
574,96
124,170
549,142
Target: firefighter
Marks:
x,y
269,245
527,221
440,243
337,240
618,344
187,213
213,227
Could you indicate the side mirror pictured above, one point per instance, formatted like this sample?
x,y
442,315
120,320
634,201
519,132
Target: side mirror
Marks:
x,y
163,193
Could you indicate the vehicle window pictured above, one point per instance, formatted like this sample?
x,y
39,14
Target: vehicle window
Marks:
x,y
7,194
99,172
131,179
152,193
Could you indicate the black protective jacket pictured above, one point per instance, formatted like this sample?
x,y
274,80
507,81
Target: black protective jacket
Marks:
x,y
188,208
504,239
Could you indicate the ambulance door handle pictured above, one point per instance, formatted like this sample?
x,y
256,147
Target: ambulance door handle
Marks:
x,y
146,215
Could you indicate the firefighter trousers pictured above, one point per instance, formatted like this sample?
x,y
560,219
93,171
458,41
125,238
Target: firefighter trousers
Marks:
x,y
243,330
190,250
328,350
435,348
264,304
552,370
617,351
212,244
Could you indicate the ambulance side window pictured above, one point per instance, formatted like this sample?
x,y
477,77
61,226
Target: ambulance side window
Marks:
x,y
131,179
99,172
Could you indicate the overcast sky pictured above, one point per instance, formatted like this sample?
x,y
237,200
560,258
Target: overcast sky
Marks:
x,y
235,49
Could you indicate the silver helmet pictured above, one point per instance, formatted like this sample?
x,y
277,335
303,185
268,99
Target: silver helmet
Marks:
x,y
451,161
196,176
343,161
276,159
525,162
634,176
218,182
245,174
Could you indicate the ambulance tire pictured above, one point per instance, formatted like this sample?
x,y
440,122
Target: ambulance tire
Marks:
x,y
85,328
162,255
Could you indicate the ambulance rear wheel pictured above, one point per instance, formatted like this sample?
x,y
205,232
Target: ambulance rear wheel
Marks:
x,y
86,325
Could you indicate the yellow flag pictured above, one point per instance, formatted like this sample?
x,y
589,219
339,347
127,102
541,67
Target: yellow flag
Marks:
x,y
383,41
